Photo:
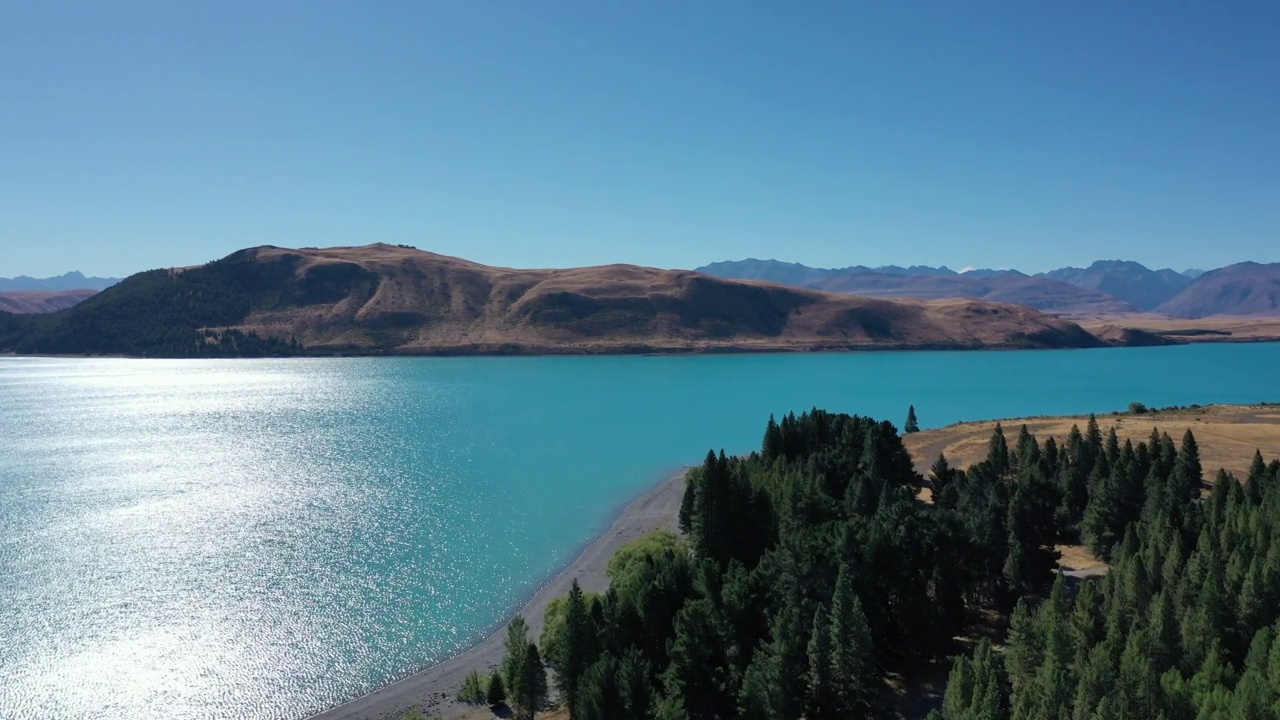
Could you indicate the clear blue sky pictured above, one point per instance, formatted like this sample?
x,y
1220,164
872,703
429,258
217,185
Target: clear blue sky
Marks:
x,y
1017,134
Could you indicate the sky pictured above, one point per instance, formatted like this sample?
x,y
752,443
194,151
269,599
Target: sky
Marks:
x,y
1030,135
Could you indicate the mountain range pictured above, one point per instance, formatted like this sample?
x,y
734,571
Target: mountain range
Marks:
x,y
70,281
395,299
1105,287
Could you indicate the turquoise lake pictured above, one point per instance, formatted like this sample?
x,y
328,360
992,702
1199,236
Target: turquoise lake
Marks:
x,y
267,538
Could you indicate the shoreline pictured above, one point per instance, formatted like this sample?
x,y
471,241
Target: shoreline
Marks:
x,y
432,689
662,351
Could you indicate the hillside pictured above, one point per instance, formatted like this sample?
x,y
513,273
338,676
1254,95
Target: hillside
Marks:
x,y
391,299
69,281
1247,288
36,302
1042,293
1129,281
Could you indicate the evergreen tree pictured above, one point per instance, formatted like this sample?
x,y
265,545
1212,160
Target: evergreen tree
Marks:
x,y
941,475
998,452
761,695
533,683
517,651
1188,476
597,696
851,651
634,690
820,664
579,647
497,694
697,673
911,425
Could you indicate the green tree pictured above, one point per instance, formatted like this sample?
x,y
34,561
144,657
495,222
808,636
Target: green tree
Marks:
x,y
941,475
998,452
911,425
497,694
535,681
580,648
820,664
851,651
516,645
635,691
698,672
474,690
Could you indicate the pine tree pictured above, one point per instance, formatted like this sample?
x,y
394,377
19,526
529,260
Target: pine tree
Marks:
x,y
761,695
851,651
697,672
957,700
1188,476
1093,438
819,678
634,689
998,452
1138,682
533,682
911,425
771,448
941,475
1166,640
497,694
517,651
579,647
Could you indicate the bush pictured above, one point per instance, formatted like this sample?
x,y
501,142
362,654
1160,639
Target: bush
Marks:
x,y
1137,408
497,691
475,689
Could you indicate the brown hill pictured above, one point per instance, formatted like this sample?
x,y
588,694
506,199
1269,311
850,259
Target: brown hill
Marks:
x,y
39,302
1246,288
384,298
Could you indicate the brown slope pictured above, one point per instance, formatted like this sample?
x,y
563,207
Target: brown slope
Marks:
x,y
1247,288
396,299
40,302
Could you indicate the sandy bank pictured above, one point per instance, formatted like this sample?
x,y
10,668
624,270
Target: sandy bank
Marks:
x,y
433,689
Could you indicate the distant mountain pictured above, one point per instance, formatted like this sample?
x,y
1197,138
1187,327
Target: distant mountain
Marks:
x,y
802,275
37,302
989,273
392,299
1193,273
1127,280
1246,288
69,281
1011,286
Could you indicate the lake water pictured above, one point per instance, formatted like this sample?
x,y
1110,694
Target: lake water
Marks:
x,y
266,538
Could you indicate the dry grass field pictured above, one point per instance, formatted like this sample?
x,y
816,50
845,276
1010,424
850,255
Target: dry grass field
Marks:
x,y
1227,435
1221,328
40,301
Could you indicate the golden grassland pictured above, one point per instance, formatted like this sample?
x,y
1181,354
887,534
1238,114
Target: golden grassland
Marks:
x,y
1227,435
1220,328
